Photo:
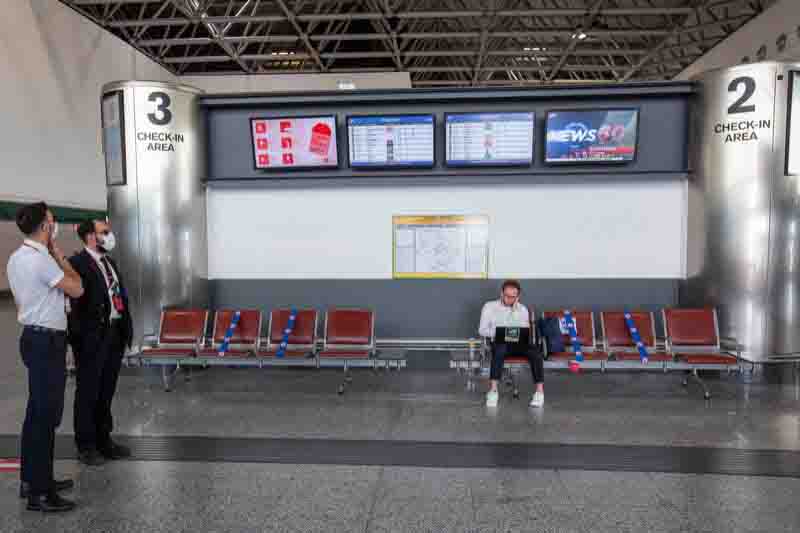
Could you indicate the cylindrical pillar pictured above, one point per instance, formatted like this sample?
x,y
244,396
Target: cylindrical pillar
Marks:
x,y
743,240
156,197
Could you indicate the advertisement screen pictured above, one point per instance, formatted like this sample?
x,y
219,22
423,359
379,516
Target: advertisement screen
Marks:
x,y
592,136
391,141
300,142
477,139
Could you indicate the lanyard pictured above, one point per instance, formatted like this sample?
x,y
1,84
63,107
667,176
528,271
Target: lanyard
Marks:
x,y
637,338
573,335
286,332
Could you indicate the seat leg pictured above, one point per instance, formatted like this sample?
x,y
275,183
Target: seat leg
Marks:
x,y
346,381
515,386
168,377
697,379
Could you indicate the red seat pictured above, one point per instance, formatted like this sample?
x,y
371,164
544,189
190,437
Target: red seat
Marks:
x,y
243,342
593,355
303,338
707,359
349,334
168,352
617,337
180,333
691,327
693,337
515,360
656,357
584,324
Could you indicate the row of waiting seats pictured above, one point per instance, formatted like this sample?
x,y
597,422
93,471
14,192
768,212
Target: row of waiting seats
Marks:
x,y
691,342
348,339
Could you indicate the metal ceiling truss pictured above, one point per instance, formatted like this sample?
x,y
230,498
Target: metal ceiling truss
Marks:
x,y
440,42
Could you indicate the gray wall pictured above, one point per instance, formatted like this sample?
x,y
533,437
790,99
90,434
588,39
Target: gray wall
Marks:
x,y
439,308
663,125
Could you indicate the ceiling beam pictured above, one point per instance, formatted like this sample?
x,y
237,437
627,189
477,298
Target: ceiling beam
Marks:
x,y
586,25
416,35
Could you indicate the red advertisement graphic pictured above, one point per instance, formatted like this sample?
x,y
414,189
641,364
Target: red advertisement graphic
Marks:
x,y
320,139
304,142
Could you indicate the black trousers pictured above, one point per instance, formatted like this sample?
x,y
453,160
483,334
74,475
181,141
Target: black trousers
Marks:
x,y
535,361
97,370
44,354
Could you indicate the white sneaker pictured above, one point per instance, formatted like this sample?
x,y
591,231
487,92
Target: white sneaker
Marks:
x,y
537,400
492,397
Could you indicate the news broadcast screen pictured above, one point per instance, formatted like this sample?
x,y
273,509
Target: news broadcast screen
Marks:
x,y
294,142
486,139
591,136
390,141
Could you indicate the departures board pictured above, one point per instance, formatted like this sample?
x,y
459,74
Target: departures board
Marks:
x,y
390,141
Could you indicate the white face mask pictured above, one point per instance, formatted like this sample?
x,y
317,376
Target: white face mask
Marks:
x,y
109,242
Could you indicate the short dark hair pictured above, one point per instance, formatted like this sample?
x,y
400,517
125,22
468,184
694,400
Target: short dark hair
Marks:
x,y
86,227
31,216
514,284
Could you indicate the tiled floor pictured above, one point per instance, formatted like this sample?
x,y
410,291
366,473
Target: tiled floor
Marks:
x,y
216,497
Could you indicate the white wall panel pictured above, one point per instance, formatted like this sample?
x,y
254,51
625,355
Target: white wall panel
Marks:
x,y
53,63
589,230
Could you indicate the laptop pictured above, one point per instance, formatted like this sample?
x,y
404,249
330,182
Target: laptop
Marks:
x,y
512,336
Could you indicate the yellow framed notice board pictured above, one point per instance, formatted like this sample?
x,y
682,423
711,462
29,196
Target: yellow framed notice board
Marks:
x,y
440,246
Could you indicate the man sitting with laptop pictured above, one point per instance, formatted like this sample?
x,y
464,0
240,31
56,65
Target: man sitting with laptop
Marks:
x,y
506,323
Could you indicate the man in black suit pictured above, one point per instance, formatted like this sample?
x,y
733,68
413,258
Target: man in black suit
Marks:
x,y
100,329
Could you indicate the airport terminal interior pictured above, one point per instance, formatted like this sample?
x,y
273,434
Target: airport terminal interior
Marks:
x,y
330,219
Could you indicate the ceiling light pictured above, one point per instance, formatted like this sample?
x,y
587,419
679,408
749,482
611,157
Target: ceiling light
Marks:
x,y
579,34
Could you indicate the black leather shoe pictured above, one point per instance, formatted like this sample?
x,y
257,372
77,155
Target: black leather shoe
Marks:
x,y
115,451
58,486
91,458
49,503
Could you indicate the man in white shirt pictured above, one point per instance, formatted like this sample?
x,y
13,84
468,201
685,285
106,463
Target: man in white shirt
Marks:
x,y
509,312
39,276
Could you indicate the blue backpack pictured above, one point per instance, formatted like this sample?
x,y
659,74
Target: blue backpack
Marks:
x,y
550,331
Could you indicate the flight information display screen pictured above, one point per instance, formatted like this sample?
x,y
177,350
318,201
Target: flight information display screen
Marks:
x,y
390,141
487,139
294,142
591,136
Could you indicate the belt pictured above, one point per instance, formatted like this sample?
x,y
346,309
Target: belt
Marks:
x,y
48,331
